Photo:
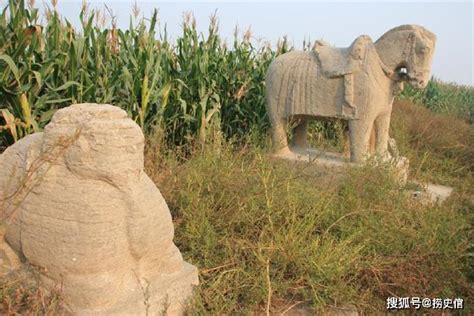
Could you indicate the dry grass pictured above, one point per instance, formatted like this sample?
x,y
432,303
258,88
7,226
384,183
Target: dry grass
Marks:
x,y
20,294
268,235
272,236
440,148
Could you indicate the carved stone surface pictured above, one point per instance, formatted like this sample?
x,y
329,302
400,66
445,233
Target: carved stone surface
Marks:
x,y
431,194
81,207
357,84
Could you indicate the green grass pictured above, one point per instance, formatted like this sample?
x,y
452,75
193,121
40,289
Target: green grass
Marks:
x,y
444,98
439,146
190,88
264,231
265,234
269,232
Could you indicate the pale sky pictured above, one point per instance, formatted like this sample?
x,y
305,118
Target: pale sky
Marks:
x,y
336,22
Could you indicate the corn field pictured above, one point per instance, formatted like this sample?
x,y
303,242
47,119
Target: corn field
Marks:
x,y
191,89
443,97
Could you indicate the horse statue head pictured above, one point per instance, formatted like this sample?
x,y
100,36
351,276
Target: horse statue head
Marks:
x,y
407,50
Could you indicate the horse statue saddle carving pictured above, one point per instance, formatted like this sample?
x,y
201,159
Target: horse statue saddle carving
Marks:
x,y
337,62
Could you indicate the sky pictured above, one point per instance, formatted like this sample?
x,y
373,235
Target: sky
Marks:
x,y
336,22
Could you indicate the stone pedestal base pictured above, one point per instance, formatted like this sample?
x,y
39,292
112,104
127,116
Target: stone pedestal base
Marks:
x,y
429,193
425,193
338,160
323,158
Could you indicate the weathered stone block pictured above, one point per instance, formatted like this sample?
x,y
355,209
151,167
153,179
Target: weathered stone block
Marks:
x,y
81,207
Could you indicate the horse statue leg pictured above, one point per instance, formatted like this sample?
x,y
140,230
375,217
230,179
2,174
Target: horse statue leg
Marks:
x,y
359,131
382,126
279,139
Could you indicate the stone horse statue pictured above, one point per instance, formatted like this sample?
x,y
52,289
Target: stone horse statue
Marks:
x,y
357,84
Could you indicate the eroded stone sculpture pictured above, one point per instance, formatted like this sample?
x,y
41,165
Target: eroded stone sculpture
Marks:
x,y
81,208
357,84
